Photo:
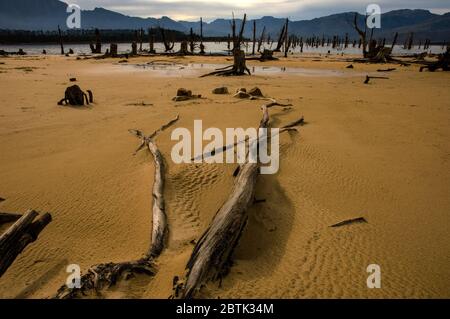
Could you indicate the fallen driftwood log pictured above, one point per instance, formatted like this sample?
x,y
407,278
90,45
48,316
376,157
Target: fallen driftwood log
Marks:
x,y
76,97
368,78
350,221
106,275
211,257
8,217
5,53
22,233
442,63
386,70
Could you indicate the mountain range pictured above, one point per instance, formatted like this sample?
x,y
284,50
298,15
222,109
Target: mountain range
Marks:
x,y
48,14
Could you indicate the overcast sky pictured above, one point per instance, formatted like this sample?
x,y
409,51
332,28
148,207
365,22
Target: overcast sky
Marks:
x,y
211,9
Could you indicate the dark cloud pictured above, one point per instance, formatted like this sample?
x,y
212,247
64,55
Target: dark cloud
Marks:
x,y
212,9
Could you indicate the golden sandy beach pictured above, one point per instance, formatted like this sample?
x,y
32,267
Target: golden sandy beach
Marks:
x,y
379,151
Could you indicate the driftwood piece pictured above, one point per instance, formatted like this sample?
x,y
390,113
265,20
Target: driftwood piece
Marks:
x,y
22,233
106,275
350,221
368,78
8,217
386,70
211,257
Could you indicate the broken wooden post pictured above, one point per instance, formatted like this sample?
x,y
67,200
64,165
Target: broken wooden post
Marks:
x,y
61,41
22,233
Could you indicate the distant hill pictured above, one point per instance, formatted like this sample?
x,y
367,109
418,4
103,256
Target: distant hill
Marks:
x,y
48,14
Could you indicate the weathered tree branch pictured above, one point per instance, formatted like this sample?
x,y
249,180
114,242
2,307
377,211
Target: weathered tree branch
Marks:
x,y
107,275
8,217
22,233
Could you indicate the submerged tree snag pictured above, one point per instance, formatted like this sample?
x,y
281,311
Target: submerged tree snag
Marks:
x,y
22,233
239,66
106,275
211,257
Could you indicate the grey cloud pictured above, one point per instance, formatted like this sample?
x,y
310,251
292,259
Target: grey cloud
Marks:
x,y
295,9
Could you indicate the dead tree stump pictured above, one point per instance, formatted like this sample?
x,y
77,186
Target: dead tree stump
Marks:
x,y
113,50
76,97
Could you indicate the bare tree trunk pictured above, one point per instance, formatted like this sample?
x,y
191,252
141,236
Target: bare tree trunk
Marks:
x,y
394,42
254,37
286,39
261,39
151,40
202,46
98,43
362,34
281,39
61,41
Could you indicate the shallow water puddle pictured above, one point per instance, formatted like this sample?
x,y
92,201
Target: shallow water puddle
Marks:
x,y
171,69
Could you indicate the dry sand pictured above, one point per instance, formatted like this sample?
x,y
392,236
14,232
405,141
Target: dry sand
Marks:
x,y
380,151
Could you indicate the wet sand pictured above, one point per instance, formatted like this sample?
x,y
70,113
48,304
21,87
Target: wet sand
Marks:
x,y
379,151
